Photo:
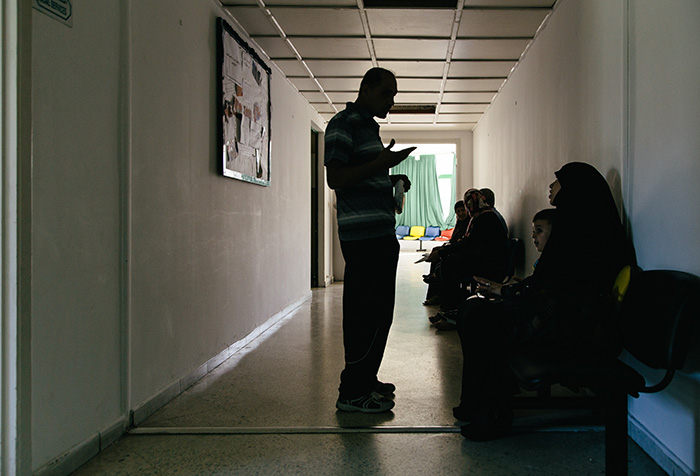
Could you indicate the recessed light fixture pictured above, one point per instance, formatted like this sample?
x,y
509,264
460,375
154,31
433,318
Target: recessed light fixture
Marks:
x,y
413,109
410,3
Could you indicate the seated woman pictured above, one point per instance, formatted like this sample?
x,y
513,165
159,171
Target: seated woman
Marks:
x,y
460,230
564,310
482,252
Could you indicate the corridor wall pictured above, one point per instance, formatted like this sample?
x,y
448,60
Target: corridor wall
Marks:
x,y
612,83
148,264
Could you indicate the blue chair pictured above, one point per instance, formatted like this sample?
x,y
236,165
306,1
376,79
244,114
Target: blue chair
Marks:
x,y
431,233
401,231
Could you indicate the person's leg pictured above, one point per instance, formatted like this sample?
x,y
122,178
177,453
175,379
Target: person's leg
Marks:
x,y
487,385
368,307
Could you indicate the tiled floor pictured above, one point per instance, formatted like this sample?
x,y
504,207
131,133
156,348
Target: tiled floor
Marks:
x,y
272,406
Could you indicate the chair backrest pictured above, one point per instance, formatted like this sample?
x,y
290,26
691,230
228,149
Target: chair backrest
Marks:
x,y
417,231
516,254
402,230
659,315
432,231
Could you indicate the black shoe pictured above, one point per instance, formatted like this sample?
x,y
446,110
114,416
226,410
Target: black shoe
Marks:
x,y
372,403
489,427
385,389
462,414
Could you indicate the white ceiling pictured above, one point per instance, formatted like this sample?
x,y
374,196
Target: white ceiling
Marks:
x,y
455,58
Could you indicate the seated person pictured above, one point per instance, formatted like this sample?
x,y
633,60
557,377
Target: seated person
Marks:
x,y
460,229
565,310
490,198
541,229
481,252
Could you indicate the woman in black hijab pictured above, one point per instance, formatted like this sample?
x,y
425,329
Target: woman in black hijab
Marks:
x,y
564,310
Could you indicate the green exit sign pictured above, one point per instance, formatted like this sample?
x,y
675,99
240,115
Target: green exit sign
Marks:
x,y
61,10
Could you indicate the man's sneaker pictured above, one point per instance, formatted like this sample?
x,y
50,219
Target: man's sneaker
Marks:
x,y
372,403
385,389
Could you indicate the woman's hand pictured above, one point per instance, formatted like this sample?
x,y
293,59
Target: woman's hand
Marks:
x,y
486,286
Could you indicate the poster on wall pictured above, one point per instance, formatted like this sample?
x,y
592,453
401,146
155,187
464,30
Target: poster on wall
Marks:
x,y
244,109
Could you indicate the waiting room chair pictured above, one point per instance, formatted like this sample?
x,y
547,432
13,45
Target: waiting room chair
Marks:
x,y
416,232
401,231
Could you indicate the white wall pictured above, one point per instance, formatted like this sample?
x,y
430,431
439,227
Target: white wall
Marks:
x,y
664,196
568,100
132,87
76,238
562,103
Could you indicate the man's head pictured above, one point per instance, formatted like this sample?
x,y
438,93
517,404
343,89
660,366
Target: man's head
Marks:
x,y
377,91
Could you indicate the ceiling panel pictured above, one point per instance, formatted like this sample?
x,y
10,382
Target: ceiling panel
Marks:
x,y
274,47
310,47
339,68
342,98
480,69
324,47
253,20
510,3
409,48
467,97
312,96
414,68
458,118
410,23
292,67
500,23
319,21
462,108
489,49
419,84
304,84
473,84
341,84
416,98
306,3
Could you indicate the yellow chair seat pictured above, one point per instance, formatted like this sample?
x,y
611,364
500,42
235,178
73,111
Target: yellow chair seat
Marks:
x,y
415,233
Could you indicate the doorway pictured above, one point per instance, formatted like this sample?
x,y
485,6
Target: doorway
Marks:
x,y
315,186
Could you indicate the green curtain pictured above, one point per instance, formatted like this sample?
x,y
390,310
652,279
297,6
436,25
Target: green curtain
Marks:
x,y
423,206
451,219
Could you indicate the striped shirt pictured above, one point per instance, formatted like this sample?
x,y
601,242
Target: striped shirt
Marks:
x,y
366,209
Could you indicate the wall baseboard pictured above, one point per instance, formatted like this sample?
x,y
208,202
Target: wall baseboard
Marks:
x,y
657,450
152,405
80,454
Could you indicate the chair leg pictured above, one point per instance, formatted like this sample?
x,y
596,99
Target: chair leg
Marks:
x,y
616,435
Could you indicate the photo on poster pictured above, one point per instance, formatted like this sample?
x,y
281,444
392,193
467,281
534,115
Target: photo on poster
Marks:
x,y
244,109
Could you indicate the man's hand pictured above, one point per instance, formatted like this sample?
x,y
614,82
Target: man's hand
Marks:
x,y
340,175
393,158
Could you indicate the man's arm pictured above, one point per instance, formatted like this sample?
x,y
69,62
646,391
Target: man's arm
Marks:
x,y
341,175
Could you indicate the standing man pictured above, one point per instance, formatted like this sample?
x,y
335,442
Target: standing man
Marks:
x,y
357,165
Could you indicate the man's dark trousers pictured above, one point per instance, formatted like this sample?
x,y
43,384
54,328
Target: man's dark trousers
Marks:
x,y
368,310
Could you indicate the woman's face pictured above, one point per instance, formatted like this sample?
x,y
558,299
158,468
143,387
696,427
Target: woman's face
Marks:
x,y
554,189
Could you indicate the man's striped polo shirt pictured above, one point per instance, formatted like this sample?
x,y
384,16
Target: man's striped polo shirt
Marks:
x,y
366,209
